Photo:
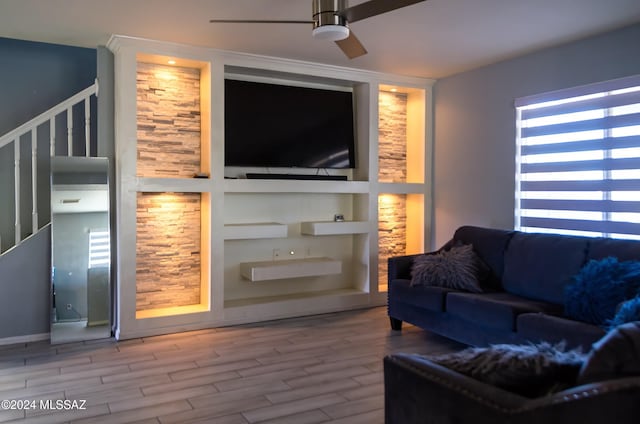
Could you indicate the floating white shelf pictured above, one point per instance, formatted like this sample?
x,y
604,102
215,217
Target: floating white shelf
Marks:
x,y
255,231
186,185
292,268
401,188
327,228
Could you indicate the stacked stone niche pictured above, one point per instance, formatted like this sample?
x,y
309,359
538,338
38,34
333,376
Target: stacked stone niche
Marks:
x,y
392,137
392,168
168,250
168,234
401,144
168,113
392,231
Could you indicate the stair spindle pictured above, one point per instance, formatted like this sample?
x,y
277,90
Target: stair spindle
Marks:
x,y
70,131
87,126
52,136
16,167
34,180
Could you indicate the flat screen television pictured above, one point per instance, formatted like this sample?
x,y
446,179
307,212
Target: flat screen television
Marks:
x,y
272,125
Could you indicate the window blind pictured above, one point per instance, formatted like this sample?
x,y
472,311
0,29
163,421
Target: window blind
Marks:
x,y
99,248
578,160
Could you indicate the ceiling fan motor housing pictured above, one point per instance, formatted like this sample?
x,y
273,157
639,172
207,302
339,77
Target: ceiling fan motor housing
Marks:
x,y
328,22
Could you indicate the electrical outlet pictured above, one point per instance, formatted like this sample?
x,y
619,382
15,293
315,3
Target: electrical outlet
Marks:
x,y
69,307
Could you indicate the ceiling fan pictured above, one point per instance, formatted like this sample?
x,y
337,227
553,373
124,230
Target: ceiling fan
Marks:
x,y
331,19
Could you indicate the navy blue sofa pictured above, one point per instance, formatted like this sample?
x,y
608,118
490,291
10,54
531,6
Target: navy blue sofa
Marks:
x,y
529,272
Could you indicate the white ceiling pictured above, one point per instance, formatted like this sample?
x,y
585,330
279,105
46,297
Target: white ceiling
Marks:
x,y
433,39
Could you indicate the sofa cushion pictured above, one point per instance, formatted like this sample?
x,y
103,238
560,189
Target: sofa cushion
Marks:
x,y
458,268
490,245
624,250
432,298
530,370
537,327
539,266
616,355
599,288
494,310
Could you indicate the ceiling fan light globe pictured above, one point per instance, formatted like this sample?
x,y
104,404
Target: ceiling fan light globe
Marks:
x,y
331,32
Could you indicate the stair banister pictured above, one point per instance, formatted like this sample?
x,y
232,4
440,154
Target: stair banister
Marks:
x,y
31,127
45,116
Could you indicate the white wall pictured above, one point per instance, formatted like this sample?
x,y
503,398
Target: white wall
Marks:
x,y
474,163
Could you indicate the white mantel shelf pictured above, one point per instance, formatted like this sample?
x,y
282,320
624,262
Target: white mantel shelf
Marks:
x,y
295,186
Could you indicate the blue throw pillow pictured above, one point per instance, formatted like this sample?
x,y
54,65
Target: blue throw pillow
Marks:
x,y
628,311
598,289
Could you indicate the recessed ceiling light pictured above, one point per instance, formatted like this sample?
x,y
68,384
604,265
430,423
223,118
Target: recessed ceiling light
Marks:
x,y
393,90
171,62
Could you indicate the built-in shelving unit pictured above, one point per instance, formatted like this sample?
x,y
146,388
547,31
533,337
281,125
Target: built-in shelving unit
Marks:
x,y
263,249
403,187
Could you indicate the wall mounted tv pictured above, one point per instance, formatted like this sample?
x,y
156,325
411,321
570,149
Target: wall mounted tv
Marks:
x,y
272,125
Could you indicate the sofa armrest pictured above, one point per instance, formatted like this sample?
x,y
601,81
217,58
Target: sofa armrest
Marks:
x,y
420,391
400,267
417,390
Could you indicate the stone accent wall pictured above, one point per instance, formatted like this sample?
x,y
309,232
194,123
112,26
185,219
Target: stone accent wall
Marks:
x,y
167,250
392,138
392,230
168,121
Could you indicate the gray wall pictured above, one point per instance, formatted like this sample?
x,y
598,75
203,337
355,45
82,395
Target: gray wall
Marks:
x,y
25,288
474,165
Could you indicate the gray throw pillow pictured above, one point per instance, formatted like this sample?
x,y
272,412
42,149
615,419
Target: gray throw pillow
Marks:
x,y
530,370
458,268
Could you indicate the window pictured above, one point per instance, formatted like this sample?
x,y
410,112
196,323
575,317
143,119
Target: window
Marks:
x,y
99,251
578,160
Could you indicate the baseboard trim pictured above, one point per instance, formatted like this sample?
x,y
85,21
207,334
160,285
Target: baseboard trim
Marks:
x,y
24,339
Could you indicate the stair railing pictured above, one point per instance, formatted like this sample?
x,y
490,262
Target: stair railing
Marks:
x,y
31,127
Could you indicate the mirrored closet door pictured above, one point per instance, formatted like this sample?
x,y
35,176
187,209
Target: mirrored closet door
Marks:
x,y
80,274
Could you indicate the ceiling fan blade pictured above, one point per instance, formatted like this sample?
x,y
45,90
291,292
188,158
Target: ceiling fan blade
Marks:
x,y
256,21
351,46
375,7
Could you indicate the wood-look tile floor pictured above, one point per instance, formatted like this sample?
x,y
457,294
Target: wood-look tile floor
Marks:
x,y
318,369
